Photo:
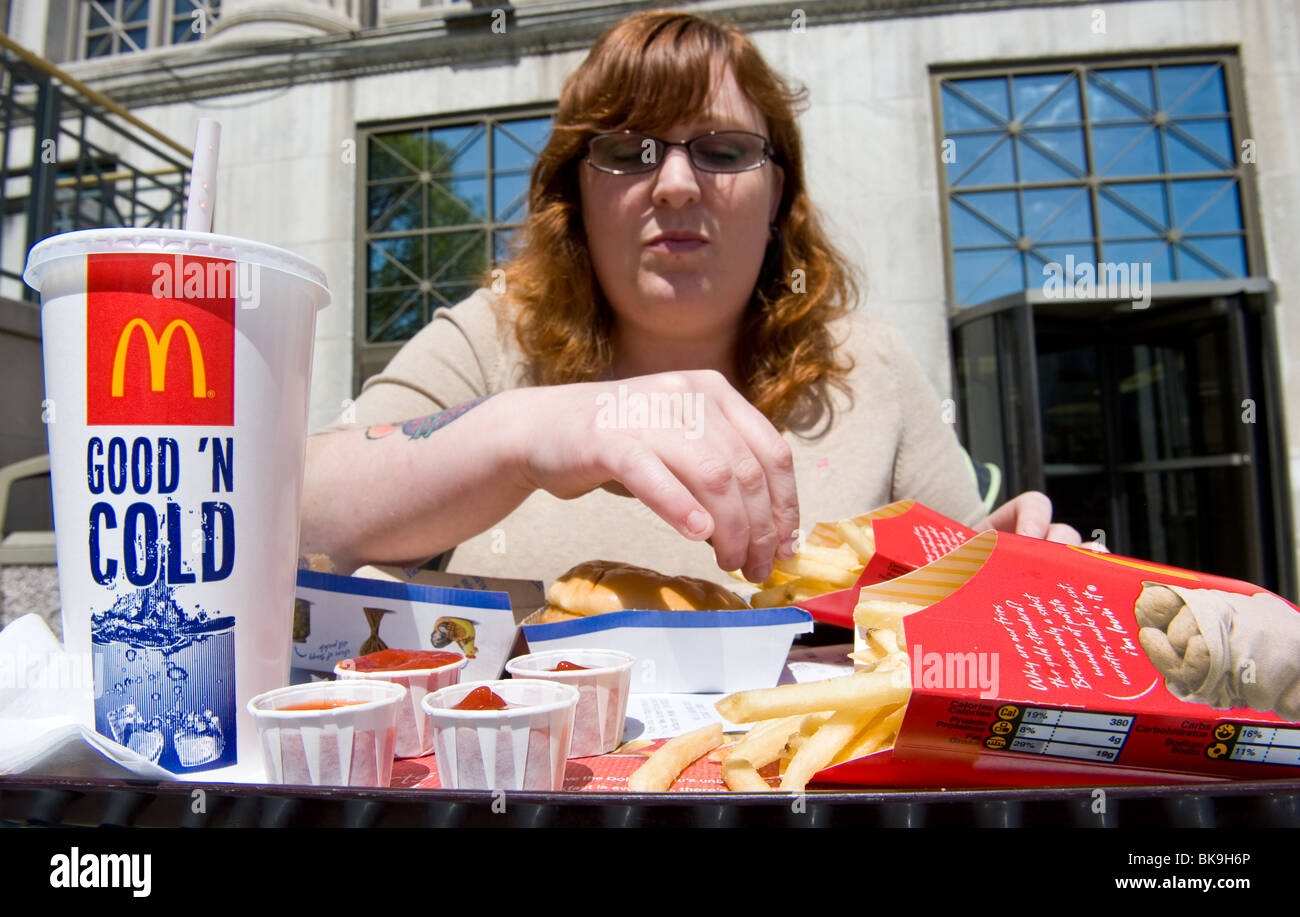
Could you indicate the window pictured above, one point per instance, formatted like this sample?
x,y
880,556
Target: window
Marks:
x,y
442,199
1106,163
110,27
1135,413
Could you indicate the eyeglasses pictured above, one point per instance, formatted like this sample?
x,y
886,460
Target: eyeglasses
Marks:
x,y
632,152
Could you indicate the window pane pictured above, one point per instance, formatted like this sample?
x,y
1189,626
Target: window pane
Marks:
x,y
510,196
1154,251
1052,154
1046,98
1206,205
997,207
983,275
1126,150
457,149
503,248
1193,88
456,257
395,155
395,207
1120,94
1200,146
517,144
453,201
1211,258
969,147
969,229
1058,214
1119,203
975,104
394,262
394,315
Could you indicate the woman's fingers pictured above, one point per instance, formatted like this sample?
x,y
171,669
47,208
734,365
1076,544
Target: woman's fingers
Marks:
x,y
724,474
776,464
1030,514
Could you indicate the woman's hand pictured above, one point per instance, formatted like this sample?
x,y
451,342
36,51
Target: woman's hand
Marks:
x,y
1030,514
686,444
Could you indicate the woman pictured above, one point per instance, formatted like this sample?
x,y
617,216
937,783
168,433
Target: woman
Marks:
x,y
676,327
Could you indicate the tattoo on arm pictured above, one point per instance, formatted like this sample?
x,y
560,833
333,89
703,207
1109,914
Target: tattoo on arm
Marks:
x,y
424,427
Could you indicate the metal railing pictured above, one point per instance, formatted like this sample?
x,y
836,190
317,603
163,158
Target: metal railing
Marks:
x,y
71,158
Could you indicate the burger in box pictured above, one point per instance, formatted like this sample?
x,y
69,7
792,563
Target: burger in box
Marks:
x,y
688,635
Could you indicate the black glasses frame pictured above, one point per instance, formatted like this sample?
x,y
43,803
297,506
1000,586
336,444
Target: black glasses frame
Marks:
x,y
661,150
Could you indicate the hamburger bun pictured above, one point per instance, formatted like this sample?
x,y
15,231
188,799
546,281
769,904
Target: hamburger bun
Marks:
x,y
601,586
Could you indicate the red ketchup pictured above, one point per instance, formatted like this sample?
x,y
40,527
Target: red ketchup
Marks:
x,y
481,698
322,705
400,660
566,666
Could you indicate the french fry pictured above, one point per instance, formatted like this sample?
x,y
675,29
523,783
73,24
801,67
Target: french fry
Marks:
x,y
883,614
850,692
803,566
822,746
789,593
861,539
673,757
843,557
880,732
764,742
741,776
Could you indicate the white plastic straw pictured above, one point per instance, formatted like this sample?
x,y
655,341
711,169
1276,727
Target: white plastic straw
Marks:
x,y
203,177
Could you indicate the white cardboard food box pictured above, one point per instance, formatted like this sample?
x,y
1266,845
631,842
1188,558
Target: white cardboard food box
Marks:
x,y
686,652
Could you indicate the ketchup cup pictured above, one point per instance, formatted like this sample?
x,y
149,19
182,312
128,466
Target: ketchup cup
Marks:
x,y
522,747
414,737
602,683
329,733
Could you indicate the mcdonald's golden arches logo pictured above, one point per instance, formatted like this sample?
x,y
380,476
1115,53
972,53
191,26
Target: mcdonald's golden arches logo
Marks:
x,y
152,359
157,349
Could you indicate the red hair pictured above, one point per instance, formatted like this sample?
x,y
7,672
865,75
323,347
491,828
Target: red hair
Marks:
x,y
649,72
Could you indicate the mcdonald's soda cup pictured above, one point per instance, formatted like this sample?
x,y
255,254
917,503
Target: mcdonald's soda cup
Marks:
x,y
176,382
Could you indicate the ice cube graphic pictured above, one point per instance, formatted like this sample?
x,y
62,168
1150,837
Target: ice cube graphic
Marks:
x,y
130,729
146,742
123,721
199,739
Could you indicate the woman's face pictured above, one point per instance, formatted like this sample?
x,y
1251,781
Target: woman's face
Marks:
x,y
685,288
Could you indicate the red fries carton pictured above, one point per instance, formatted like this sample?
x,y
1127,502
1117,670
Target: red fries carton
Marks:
x,y
1033,663
907,534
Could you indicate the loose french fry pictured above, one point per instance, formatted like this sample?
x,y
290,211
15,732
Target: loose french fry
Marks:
x,y
764,742
850,692
879,733
860,538
741,776
802,566
796,590
822,746
673,757
842,557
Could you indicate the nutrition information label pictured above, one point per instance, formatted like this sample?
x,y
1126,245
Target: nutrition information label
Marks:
x,y
1087,736
1259,744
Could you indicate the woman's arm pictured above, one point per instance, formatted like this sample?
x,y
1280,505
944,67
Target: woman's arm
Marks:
x,y
398,493
401,493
